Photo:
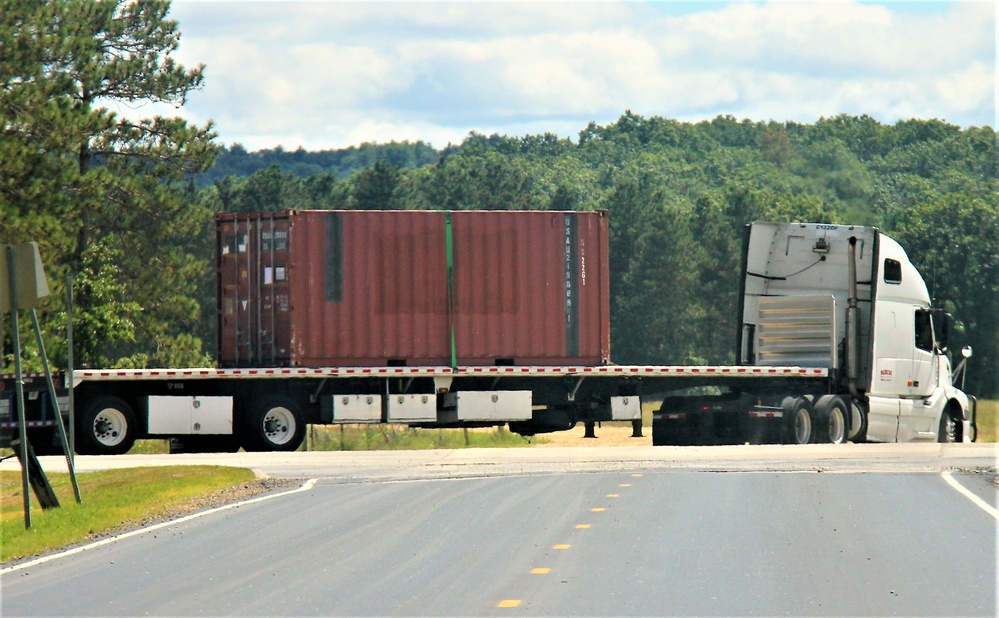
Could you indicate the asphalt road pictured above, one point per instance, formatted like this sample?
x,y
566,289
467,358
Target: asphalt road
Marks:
x,y
717,532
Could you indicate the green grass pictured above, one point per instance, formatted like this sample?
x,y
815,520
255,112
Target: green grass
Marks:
x,y
150,447
399,437
385,438
988,420
111,498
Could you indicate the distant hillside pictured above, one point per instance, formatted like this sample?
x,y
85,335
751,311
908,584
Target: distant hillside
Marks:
x,y
343,163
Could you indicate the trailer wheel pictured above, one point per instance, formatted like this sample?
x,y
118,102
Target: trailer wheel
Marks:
x,y
798,415
106,427
831,419
273,425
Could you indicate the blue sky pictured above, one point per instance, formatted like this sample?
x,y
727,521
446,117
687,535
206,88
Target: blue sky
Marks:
x,y
328,74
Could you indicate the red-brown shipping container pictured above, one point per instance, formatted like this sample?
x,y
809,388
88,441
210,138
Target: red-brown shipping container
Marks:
x,y
413,288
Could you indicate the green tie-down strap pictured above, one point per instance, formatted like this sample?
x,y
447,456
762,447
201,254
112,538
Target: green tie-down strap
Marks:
x,y
449,239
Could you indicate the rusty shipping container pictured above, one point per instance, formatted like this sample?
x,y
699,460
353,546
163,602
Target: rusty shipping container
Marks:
x,y
413,288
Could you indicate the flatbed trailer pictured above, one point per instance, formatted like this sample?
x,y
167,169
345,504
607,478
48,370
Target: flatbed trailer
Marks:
x,y
208,409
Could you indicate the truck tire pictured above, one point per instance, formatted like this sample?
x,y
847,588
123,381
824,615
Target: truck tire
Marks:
x,y
106,427
275,424
674,432
858,423
831,419
660,434
798,420
946,431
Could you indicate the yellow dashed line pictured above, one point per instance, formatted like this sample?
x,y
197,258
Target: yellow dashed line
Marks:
x,y
582,526
509,603
561,546
613,495
625,485
636,475
540,571
598,509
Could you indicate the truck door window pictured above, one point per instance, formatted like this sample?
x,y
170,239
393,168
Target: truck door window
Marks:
x,y
893,271
924,330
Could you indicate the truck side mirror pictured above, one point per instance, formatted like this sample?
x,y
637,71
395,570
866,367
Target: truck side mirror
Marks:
x,y
966,351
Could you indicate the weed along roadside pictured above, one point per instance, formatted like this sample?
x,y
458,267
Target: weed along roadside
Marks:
x,y
988,421
386,437
113,501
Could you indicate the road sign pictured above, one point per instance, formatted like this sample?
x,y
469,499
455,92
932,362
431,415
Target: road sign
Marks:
x,y
29,276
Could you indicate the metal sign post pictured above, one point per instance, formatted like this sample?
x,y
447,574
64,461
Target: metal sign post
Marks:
x,y
60,426
22,445
24,285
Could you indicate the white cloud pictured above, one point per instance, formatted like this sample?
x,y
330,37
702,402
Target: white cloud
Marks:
x,y
326,75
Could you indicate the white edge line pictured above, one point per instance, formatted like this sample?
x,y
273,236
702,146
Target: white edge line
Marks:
x,y
982,504
77,550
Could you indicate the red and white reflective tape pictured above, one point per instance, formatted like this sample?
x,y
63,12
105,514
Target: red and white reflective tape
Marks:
x,y
430,371
29,424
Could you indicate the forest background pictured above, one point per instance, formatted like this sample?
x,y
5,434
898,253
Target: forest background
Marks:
x,y
125,208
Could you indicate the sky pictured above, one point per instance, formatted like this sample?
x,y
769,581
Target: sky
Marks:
x,y
326,75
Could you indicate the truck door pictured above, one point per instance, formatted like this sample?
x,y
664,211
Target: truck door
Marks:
x,y
891,364
920,380
916,420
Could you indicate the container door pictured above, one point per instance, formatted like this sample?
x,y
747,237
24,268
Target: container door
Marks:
x,y
254,291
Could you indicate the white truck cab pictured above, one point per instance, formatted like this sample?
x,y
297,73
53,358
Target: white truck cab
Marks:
x,y
911,395
848,298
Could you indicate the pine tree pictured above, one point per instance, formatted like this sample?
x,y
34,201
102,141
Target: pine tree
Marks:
x,y
103,193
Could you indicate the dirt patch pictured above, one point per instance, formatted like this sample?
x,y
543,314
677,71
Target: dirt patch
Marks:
x,y
608,434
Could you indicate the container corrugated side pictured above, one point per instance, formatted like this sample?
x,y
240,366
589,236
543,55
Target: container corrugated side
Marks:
x,y
369,288
374,288
531,287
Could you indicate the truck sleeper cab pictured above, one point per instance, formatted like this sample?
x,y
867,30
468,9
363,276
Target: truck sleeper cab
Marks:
x,y
845,298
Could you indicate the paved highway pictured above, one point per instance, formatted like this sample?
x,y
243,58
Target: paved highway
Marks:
x,y
729,531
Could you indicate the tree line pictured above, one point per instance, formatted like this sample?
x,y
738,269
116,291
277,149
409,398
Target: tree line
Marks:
x,y
126,207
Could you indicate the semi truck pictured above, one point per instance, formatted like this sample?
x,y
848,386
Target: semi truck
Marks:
x,y
845,299
464,319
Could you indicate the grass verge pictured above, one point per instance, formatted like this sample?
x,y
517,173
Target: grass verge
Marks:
x,y
400,437
386,438
988,420
112,499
